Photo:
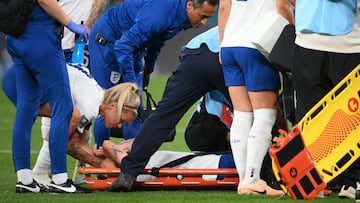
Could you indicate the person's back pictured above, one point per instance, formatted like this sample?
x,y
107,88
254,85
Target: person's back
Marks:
x,y
243,21
327,48
209,126
324,33
129,14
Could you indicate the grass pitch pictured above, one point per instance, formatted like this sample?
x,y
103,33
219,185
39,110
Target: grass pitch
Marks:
x,y
157,84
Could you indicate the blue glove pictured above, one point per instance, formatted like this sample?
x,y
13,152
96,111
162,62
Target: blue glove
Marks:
x,y
78,29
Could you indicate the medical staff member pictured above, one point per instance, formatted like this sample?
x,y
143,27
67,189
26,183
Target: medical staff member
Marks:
x,y
133,31
40,65
198,72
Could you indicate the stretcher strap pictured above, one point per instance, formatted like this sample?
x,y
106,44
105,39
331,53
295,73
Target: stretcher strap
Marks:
x,y
156,170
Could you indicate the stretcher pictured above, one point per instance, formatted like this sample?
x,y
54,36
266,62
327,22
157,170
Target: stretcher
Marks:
x,y
331,128
167,178
294,166
330,133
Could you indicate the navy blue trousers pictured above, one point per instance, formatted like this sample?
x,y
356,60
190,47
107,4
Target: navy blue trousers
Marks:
x,y
198,72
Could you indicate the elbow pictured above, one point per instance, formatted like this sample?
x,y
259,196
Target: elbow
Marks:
x,y
286,9
42,2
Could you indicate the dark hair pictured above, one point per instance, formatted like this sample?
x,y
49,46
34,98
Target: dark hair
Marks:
x,y
199,3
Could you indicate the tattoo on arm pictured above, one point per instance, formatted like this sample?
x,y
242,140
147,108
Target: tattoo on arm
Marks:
x,y
78,153
116,151
98,7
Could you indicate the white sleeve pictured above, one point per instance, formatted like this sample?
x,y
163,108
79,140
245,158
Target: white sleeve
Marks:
x,y
87,95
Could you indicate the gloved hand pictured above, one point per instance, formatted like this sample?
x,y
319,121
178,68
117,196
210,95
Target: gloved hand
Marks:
x,y
81,30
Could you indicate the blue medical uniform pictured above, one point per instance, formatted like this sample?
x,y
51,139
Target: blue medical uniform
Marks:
x,y
126,35
39,64
198,72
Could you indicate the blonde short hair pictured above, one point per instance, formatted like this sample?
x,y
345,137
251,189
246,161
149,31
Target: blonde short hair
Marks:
x,y
127,96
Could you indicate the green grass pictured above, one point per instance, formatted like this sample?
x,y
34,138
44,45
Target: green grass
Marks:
x,y
157,84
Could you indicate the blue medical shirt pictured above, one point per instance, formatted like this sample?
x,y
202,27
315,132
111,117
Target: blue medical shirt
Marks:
x,y
214,101
332,17
142,25
210,38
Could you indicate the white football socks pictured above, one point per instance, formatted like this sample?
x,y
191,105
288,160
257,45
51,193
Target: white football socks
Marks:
x,y
45,127
258,143
24,176
239,132
59,178
42,165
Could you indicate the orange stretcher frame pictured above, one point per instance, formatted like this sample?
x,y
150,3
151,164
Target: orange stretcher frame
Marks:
x,y
168,178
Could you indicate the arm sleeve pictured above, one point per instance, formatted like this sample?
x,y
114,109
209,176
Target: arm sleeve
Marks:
x,y
152,54
148,24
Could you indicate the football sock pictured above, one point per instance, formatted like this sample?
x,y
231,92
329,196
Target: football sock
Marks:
x,y
59,178
24,176
239,132
42,165
45,127
259,142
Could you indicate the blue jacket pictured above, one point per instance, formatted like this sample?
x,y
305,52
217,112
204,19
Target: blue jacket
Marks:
x,y
137,26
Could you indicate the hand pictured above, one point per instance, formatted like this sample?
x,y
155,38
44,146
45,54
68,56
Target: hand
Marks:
x,y
98,152
81,30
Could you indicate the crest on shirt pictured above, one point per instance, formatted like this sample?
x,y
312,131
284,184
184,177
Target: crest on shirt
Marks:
x,y
115,77
83,123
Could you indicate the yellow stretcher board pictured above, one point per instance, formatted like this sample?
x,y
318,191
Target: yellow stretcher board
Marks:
x,y
331,131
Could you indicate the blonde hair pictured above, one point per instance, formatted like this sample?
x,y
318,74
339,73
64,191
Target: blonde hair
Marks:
x,y
127,96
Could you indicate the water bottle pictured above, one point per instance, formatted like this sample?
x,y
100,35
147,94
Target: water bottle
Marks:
x,y
79,47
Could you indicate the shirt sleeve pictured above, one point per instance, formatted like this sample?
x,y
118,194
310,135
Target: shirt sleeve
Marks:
x,y
152,20
152,54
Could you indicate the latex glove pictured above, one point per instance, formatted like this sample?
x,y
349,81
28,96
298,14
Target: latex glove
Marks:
x,y
81,30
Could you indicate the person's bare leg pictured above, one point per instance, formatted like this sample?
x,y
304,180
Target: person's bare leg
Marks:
x,y
117,152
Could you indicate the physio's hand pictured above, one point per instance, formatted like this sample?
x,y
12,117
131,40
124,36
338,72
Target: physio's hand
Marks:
x,y
98,152
81,30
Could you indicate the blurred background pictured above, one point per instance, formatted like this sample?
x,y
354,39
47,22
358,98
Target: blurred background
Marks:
x,y
167,60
